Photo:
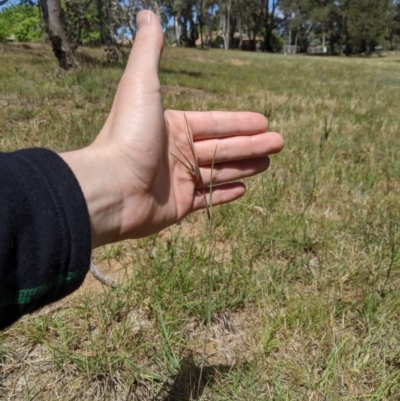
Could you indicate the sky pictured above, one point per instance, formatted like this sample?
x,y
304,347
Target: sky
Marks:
x,y
9,3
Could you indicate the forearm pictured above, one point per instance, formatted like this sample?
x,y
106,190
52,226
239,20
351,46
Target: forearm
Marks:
x,y
44,232
104,202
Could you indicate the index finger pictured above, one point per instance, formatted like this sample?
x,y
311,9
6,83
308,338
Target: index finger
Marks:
x,y
219,124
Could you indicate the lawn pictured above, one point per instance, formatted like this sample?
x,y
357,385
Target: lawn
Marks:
x,y
304,270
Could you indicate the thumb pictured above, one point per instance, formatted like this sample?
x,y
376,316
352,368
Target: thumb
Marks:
x,y
147,48
139,88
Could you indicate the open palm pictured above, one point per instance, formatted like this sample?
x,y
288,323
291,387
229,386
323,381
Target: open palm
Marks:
x,y
145,187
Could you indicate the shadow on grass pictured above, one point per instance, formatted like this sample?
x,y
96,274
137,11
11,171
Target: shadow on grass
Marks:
x,y
88,60
193,74
190,383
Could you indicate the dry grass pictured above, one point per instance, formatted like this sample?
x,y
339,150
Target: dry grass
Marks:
x,y
306,266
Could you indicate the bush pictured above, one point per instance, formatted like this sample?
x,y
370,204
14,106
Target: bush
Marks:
x,y
22,21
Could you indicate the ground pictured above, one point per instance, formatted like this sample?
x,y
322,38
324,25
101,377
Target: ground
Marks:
x,y
305,271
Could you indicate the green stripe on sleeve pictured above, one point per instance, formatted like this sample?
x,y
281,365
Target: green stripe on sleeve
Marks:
x,y
28,295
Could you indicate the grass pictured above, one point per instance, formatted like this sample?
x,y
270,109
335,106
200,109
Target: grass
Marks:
x,y
306,267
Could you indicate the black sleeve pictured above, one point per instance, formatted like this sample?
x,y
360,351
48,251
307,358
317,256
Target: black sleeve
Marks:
x,y
45,242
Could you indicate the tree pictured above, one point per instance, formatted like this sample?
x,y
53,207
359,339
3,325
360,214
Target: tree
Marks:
x,y
80,22
271,22
21,21
366,24
51,11
225,9
394,23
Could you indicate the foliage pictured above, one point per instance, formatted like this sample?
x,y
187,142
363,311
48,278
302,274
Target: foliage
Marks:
x,y
351,25
22,21
345,26
366,23
81,21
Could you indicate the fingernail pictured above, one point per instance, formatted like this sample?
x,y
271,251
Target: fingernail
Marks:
x,y
143,18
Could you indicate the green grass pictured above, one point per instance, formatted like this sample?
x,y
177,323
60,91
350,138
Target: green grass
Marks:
x,y
306,267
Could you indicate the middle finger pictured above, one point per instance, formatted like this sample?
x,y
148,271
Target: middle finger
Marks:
x,y
238,148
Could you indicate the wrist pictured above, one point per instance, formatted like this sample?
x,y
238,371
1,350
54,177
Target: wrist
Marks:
x,y
93,172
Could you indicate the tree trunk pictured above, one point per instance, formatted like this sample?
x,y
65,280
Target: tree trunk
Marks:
x,y
100,15
194,33
51,10
341,36
227,24
296,40
155,8
240,33
201,33
110,22
177,30
269,23
201,24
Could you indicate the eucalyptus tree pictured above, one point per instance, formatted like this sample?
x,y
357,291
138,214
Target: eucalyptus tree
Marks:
x,y
80,22
240,16
255,17
271,22
189,23
366,24
300,21
225,8
51,12
206,16
190,17
394,23
174,10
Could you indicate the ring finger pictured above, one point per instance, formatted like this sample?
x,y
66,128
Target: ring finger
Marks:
x,y
233,171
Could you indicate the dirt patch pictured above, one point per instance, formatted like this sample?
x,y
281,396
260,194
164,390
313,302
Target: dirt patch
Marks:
x,y
111,268
204,60
120,269
234,61
238,62
229,340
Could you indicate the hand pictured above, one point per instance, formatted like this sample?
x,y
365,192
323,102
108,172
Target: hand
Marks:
x,y
133,184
